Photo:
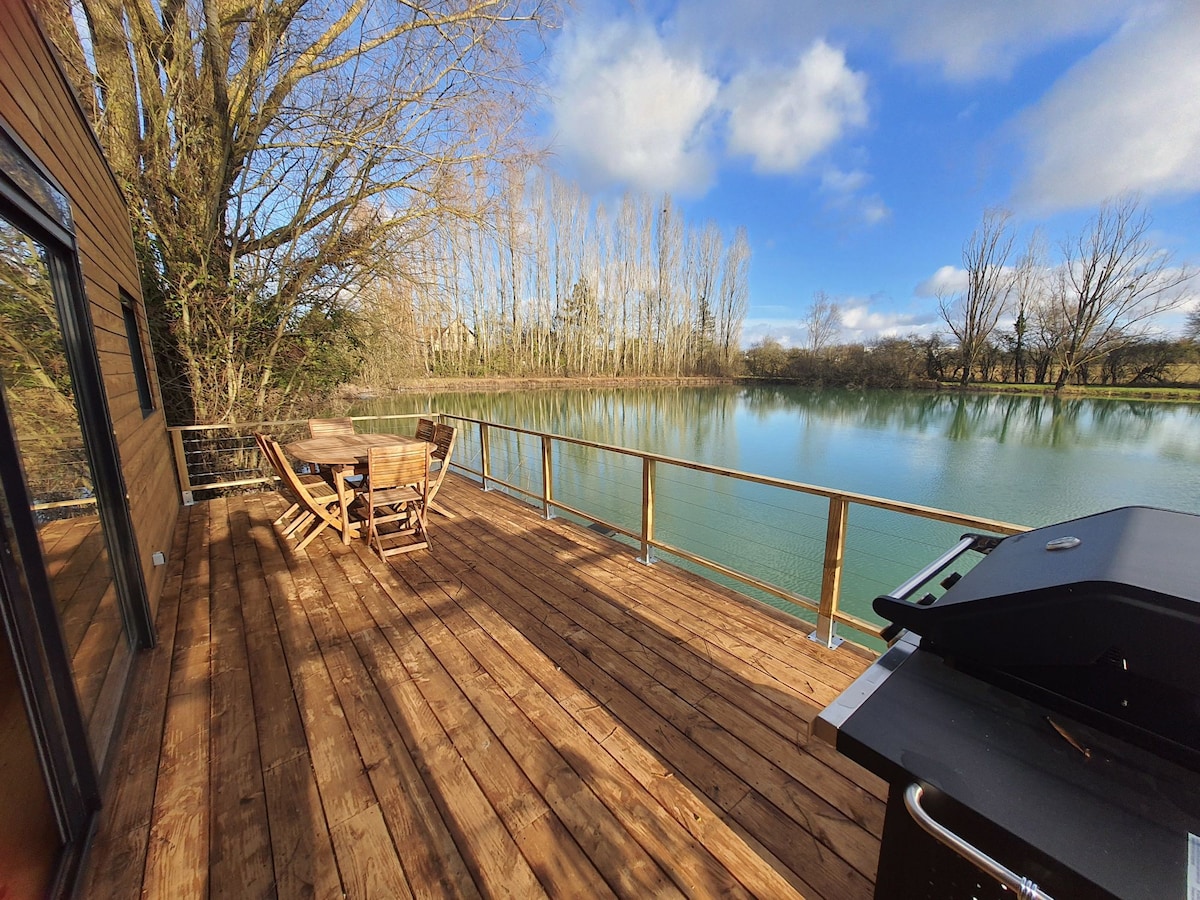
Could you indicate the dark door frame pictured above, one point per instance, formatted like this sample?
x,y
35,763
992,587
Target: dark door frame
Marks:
x,y
32,201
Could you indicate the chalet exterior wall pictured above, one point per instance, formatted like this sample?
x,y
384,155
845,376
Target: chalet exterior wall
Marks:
x,y
38,104
89,497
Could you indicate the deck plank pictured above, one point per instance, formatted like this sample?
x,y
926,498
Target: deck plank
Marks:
x,y
117,860
709,757
707,675
178,855
523,711
581,819
593,775
301,846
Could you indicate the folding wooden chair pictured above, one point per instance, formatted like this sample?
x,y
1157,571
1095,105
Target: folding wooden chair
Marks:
x,y
316,501
323,427
317,486
425,430
327,427
443,437
397,497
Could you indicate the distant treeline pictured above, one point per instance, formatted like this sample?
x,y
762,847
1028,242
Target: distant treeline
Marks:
x,y
544,281
899,362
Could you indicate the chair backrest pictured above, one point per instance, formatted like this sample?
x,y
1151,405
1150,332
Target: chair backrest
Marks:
x,y
396,465
424,430
261,439
268,447
443,436
322,427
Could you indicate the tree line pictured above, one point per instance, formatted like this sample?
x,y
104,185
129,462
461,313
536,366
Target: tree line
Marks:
x,y
1086,316
546,282
917,360
273,153
327,191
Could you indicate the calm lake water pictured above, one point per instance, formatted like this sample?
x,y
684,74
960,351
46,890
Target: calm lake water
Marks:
x,y
1028,460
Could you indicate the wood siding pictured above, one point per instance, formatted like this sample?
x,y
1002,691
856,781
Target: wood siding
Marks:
x,y
38,104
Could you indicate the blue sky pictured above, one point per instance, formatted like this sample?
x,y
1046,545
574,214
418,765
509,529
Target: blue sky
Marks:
x,y
860,142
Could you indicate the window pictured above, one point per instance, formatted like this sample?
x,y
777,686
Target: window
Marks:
x,y
137,354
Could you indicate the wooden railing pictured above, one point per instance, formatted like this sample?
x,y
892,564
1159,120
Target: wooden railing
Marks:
x,y
479,455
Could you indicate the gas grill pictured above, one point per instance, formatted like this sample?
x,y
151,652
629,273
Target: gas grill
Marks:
x,y
1039,722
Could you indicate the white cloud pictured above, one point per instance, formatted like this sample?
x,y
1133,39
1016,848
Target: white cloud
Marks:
x,y
873,210
782,118
964,40
846,195
1127,118
863,320
835,181
787,333
976,40
945,281
627,110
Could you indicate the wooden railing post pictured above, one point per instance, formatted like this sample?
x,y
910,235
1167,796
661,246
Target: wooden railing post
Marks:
x,y
485,468
831,576
547,480
181,469
648,473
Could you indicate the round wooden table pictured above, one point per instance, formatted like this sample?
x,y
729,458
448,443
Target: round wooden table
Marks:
x,y
341,453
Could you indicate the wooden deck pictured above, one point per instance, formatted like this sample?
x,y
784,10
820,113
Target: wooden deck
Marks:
x,y
524,711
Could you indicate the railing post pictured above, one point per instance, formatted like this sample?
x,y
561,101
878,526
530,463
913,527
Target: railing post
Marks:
x,y
831,577
485,468
547,483
648,475
181,469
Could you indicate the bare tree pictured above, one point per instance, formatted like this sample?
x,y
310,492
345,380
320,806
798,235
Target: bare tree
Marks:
x,y
822,321
1110,285
734,298
1029,290
1191,328
273,152
972,314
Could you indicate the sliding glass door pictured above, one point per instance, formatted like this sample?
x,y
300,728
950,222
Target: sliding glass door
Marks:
x,y
61,488
72,601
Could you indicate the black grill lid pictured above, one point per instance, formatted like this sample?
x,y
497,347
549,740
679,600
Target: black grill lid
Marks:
x,y
1119,589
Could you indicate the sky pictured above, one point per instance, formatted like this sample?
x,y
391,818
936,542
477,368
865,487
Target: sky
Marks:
x,y
859,142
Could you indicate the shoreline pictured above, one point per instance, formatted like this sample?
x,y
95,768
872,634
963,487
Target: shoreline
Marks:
x,y
490,384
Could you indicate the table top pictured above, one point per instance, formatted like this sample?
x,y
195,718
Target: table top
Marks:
x,y
344,449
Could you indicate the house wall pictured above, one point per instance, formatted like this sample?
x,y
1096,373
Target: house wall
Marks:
x,y
38,103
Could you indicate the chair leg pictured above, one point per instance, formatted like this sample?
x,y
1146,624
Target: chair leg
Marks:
x,y
296,524
287,514
308,538
415,526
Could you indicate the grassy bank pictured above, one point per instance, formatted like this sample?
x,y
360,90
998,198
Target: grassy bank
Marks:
x,y
1172,393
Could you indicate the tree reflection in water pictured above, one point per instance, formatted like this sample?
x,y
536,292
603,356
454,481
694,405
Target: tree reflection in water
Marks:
x,y
40,399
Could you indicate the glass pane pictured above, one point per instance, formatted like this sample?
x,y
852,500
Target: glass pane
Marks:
x,y
15,164
37,385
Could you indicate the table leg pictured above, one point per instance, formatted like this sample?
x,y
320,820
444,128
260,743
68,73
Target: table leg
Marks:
x,y
339,484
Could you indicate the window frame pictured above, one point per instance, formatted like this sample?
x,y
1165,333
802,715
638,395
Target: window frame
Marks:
x,y
137,354
30,201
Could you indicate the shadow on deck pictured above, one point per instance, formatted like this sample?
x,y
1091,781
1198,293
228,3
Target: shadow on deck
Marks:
x,y
525,710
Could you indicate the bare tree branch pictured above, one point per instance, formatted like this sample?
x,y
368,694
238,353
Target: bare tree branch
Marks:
x,y
1111,283
972,314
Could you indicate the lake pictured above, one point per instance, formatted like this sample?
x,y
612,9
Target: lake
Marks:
x,y
1030,460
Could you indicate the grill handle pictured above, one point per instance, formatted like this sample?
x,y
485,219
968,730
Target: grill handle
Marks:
x,y
1024,888
927,574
